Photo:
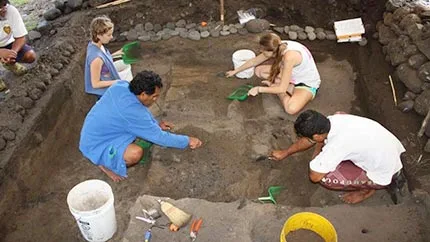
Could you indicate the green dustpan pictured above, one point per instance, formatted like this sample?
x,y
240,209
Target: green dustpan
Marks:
x,y
131,53
273,191
241,93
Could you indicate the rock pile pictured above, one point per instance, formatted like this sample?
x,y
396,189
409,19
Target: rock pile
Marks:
x,y
405,36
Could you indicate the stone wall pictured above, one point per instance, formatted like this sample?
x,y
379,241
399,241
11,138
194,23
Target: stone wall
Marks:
x,y
404,33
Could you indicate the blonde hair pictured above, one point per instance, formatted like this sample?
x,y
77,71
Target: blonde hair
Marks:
x,y
272,42
99,26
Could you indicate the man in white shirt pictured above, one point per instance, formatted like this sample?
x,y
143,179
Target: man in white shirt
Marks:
x,y
352,153
13,47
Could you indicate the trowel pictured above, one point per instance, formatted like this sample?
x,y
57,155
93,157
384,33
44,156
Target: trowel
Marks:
x,y
263,158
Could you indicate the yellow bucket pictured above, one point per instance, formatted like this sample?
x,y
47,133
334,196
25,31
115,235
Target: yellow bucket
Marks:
x,y
310,221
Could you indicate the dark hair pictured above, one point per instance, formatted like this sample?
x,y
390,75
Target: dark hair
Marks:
x,y
311,122
145,81
4,2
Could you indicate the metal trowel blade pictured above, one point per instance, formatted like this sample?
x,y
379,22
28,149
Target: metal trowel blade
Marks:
x,y
262,158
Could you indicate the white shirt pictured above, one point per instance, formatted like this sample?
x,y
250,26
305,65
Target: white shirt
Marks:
x,y
306,72
363,141
11,26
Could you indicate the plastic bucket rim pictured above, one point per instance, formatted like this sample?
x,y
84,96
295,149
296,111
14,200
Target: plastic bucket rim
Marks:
x,y
243,51
302,214
93,212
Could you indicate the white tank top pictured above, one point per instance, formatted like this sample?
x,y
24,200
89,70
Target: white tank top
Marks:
x,y
306,72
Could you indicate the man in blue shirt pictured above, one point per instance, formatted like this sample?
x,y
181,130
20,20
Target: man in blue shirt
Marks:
x,y
118,118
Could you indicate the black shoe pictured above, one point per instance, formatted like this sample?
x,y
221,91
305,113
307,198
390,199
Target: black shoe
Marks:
x,y
398,187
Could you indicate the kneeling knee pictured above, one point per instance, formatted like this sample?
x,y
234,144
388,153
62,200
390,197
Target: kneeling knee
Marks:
x,y
29,57
136,155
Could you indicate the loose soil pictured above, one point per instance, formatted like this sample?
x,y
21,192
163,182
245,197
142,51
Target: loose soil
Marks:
x,y
194,98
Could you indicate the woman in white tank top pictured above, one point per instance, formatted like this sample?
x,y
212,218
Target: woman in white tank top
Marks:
x,y
289,71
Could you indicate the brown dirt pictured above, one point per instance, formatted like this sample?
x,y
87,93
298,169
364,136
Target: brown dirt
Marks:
x,y
303,235
42,170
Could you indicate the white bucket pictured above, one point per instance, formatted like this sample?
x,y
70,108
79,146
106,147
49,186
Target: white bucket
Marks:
x,y
92,204
124,70
239,58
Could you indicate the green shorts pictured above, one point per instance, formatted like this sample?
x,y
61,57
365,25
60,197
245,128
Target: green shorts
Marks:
x,y
313,90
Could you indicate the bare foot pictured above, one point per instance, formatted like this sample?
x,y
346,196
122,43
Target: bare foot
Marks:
x,y
111,174
356,196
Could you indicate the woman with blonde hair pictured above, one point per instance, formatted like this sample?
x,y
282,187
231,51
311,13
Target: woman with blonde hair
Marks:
x,y
289,71
100,72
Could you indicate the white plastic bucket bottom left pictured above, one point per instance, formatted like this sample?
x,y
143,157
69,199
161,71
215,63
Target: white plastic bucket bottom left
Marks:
x,y
92,204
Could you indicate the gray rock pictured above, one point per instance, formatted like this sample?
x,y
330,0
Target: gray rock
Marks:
x,y
286,29
165,36
132,35
139,15
309,29
183,34
144,37
156,38
171,25
295,28
406,106
423,46
400,13
43,26
321,35
386,35
424,72
233,30
174,33
279,29
415,31
8,135
395,49
35,94
302,35
60,4
202,28
181,23
40,85
312,36
58,66
239,26
139,28
257,25
331,36
26,102
74,4
149,26
52,14
425,86
318,30
416,61
375,35
194,35
292,35
243,31
409,96
215,33
224,33
389,6
427,146
410,50
363,41
225,28
409,20
157,27
204,34
422,102
190,25
409,77
2,144
388,18
34,35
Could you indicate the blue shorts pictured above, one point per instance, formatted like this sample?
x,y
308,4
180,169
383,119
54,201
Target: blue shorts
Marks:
x,y
313,90
26,48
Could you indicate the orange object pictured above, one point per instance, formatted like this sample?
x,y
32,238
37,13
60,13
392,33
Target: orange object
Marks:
x,y
204,24
173,228
195,227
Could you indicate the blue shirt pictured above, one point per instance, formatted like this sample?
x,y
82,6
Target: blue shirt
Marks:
x,y
114,122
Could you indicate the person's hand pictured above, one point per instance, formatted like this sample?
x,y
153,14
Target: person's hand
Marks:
x,y
7,54
194,143
254,91
277,155
266,83
166,125
230,73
